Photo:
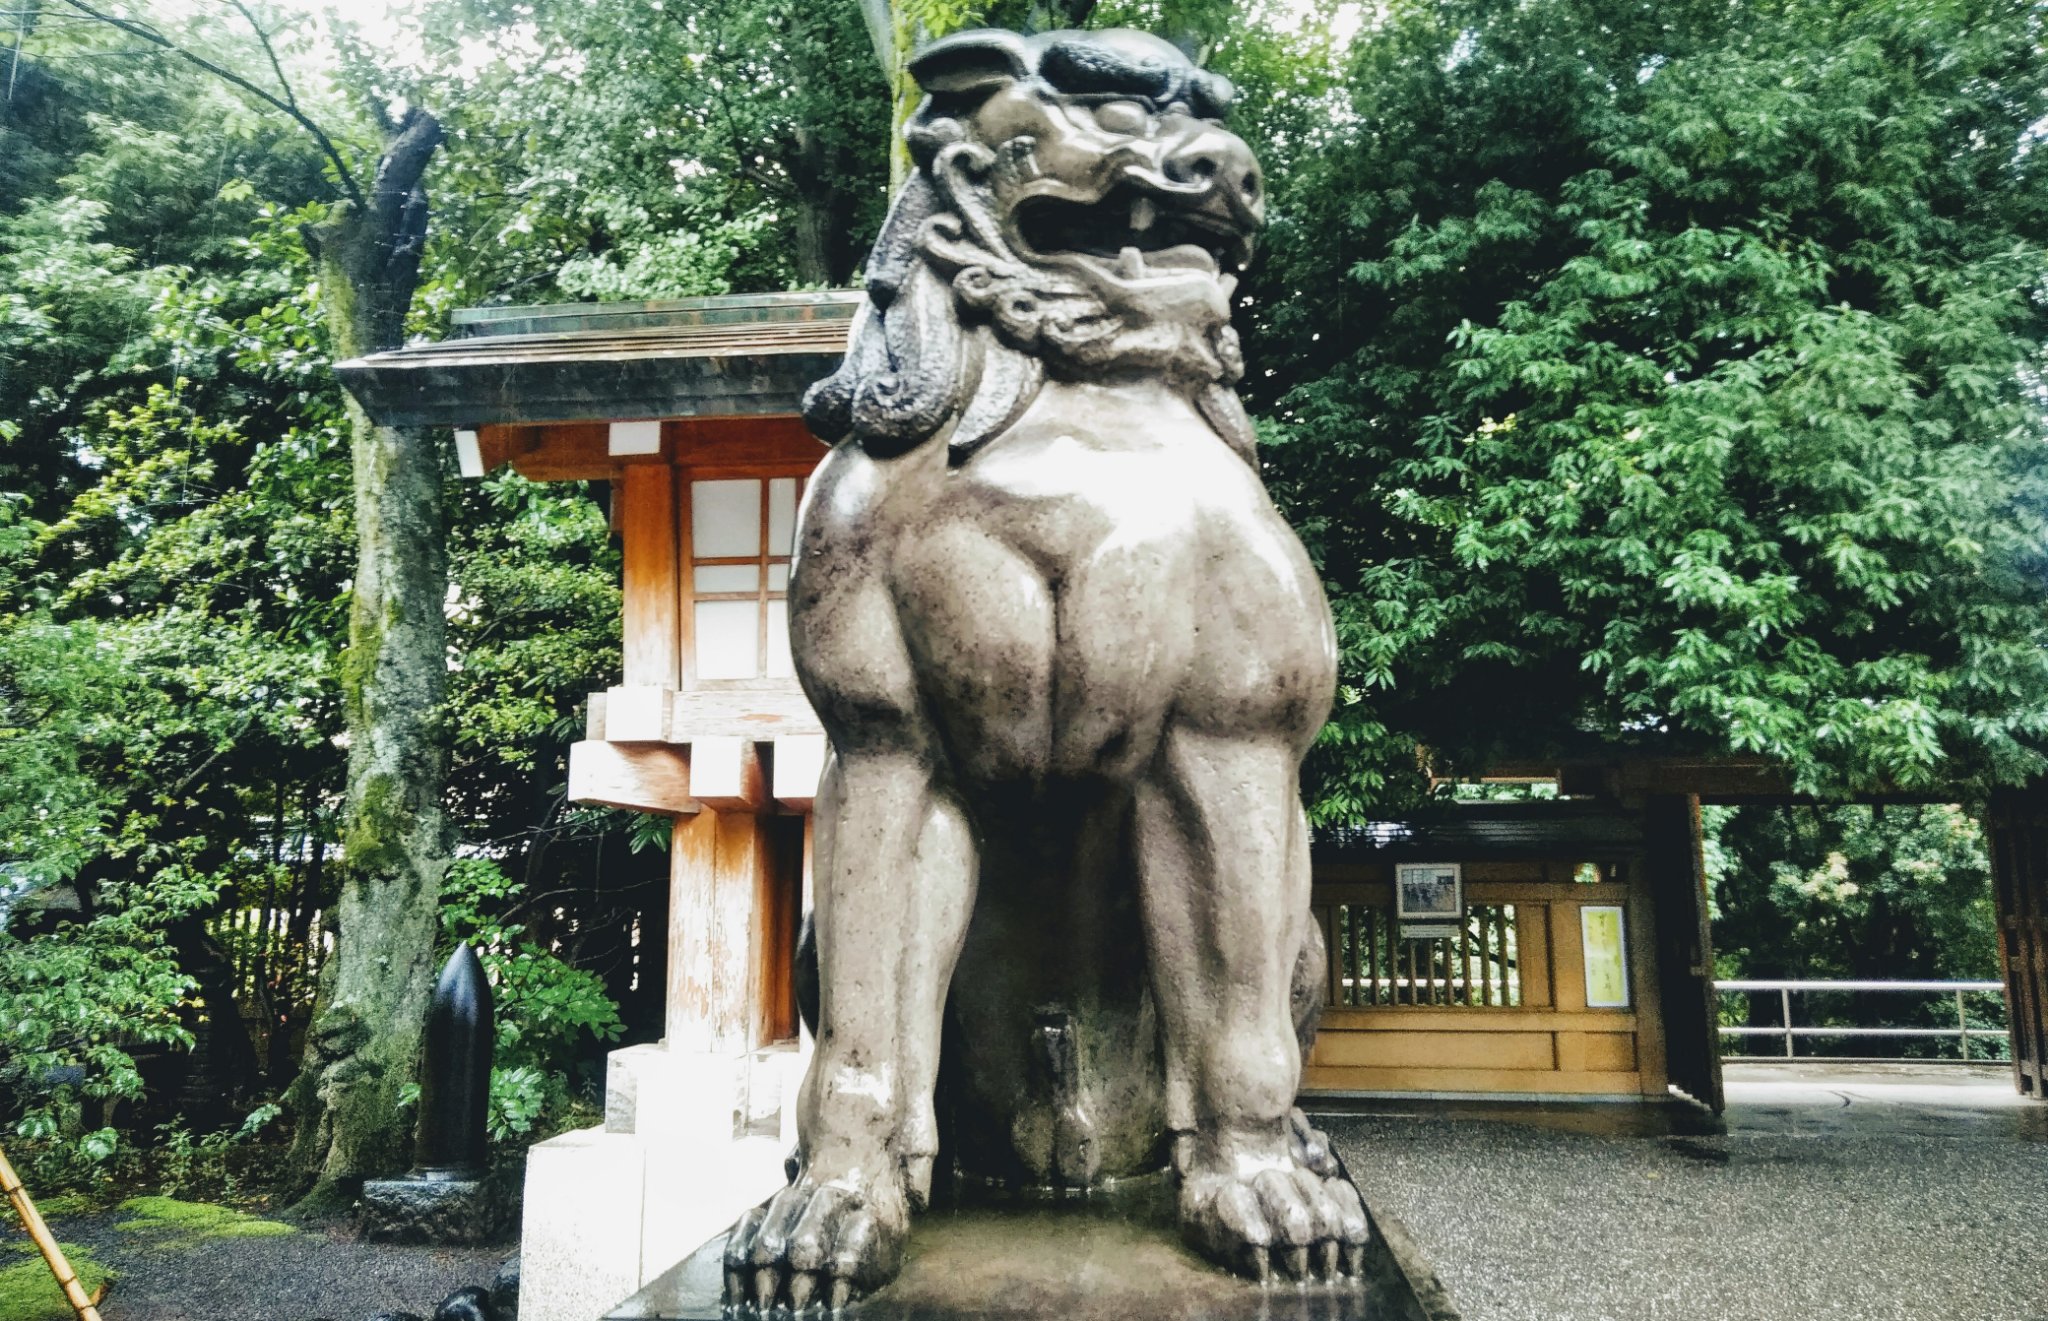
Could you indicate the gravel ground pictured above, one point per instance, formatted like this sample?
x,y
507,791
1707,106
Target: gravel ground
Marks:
x,y
312,1274
1864,1200
1872,1197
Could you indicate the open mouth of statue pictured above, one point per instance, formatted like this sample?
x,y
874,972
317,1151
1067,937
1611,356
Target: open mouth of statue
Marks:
x,y
1136,232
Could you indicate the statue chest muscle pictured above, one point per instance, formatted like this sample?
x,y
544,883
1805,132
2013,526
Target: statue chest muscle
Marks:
x,y
1088,577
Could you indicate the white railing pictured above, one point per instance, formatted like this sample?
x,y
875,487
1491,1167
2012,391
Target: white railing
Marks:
x,y
1962,1031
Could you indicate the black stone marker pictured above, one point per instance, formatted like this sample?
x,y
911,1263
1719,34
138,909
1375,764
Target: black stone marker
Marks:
x,y
455,1073
451,1195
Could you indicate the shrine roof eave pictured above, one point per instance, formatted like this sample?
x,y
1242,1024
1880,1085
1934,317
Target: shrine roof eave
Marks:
x,y
713,357
1527,831
472,383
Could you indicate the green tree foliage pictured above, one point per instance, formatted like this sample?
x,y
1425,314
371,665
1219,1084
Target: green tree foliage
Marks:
x,y
167,580
78,998
547,1012
652,151
108,203
174,591
1855,894
1668,374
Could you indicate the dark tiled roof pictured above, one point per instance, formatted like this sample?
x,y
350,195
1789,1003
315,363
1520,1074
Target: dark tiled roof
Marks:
x,y
735,310
591,362
1558,829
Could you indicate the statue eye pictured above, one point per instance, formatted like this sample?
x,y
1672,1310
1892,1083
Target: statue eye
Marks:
x,y
1127,117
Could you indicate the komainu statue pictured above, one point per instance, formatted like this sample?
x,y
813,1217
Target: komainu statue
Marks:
x,y
1069,658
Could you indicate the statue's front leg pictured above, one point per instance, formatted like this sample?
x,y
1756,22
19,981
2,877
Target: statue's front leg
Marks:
x,y
1223,864
895,873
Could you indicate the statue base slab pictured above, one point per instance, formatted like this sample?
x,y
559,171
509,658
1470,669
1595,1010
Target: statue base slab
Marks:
x,y
1058,1263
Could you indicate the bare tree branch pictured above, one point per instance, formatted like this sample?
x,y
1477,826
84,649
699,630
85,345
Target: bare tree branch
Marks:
x,y
284,84
395,193
285,106
21,25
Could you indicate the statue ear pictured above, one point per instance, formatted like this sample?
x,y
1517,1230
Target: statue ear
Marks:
x,y
975,61
1211,94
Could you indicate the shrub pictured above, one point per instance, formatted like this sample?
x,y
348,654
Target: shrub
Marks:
x,y
548,1013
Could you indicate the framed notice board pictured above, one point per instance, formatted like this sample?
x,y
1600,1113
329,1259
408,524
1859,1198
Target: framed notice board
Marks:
x,y
1429,899
1603,934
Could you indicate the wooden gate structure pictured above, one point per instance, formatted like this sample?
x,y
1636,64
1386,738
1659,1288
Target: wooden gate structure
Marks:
x,y
1577,969
1663,891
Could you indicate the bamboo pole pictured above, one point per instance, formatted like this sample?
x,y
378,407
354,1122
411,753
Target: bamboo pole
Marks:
x,y
32,1220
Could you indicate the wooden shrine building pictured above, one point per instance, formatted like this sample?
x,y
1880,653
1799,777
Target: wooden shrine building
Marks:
x,y
1575,960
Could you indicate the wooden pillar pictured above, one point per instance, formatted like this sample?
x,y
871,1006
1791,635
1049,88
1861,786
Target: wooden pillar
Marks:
x,y
1677,881
716,877
2018,828
736,886
777,917
653,582
1645,922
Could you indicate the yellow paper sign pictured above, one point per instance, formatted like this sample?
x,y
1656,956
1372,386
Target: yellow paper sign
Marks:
x,y
1606,945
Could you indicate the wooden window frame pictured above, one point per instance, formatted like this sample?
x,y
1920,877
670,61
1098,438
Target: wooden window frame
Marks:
x,y
762,594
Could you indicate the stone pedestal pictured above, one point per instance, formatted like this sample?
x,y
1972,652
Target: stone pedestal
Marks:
x,y
1065,1264
696,1128
690,1140
411,1210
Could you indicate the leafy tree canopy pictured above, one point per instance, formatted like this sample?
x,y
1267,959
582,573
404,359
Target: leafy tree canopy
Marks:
x,y
651,151
1669,374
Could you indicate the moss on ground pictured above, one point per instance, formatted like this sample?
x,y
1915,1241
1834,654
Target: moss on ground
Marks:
x,y
28,1292
172,1224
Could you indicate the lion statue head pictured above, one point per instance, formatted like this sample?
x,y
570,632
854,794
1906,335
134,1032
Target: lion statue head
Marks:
x,y
1079,211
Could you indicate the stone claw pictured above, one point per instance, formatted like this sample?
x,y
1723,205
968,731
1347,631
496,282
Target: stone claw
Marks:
x,y
812,1244
1282,1221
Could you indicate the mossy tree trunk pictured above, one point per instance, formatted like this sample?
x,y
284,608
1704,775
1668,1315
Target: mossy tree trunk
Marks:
x,y
825,252
364,1043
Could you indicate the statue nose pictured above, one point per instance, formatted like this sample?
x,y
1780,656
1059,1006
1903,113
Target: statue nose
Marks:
x,y
1213,157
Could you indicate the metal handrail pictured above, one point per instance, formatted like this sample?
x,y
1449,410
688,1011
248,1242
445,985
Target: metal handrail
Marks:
x,y
1962,1030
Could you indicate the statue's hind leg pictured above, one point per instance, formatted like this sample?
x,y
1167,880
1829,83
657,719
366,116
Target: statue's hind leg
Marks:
x,y
1223,864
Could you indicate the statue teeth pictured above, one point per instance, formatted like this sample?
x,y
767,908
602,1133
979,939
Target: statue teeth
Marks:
x,y
1142,215
1229,285
1130,263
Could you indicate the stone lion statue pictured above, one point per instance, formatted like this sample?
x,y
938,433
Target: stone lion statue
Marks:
x,y
1069,658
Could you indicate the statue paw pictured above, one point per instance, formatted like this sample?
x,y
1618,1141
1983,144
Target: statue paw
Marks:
x,y
1281,1222
814,1245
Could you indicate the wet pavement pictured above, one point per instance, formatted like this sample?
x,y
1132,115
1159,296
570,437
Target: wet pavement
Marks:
x,y
1864,1192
